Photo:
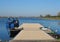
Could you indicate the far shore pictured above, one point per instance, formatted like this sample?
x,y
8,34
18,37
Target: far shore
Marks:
x,y
50,18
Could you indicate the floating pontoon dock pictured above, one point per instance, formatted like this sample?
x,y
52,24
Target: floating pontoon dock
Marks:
x,y
31,31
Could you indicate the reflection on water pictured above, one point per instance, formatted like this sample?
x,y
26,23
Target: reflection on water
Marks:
x,y
58,23
3,30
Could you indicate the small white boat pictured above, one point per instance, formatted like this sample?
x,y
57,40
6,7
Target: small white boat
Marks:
x,y
43,28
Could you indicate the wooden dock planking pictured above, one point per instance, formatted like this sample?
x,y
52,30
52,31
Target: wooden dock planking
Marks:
x,y
31,31
33,35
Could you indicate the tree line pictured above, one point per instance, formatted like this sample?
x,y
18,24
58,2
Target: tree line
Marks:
x,y
49,15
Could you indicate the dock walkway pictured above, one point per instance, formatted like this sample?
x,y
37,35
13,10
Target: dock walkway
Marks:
x,y
31,31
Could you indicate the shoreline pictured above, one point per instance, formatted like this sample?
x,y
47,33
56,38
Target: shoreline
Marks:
x,y
47,18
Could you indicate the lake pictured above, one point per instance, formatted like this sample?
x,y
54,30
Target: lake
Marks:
x,y
52,24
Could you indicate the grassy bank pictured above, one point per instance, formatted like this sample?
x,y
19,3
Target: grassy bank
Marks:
x,y
53,17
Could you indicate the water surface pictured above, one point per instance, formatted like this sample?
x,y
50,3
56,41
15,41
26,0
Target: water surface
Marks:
x,y
52,24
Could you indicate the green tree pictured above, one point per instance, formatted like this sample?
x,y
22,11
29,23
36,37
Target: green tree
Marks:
x,y
41,16
58,14
48,15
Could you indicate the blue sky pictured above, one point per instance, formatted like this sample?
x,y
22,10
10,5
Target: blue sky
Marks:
x,y
29,7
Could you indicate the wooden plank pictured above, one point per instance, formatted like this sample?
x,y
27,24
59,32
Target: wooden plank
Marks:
x,y
31,31
31,26
33,35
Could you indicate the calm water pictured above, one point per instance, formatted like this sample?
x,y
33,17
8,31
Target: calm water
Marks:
x,y
52,24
